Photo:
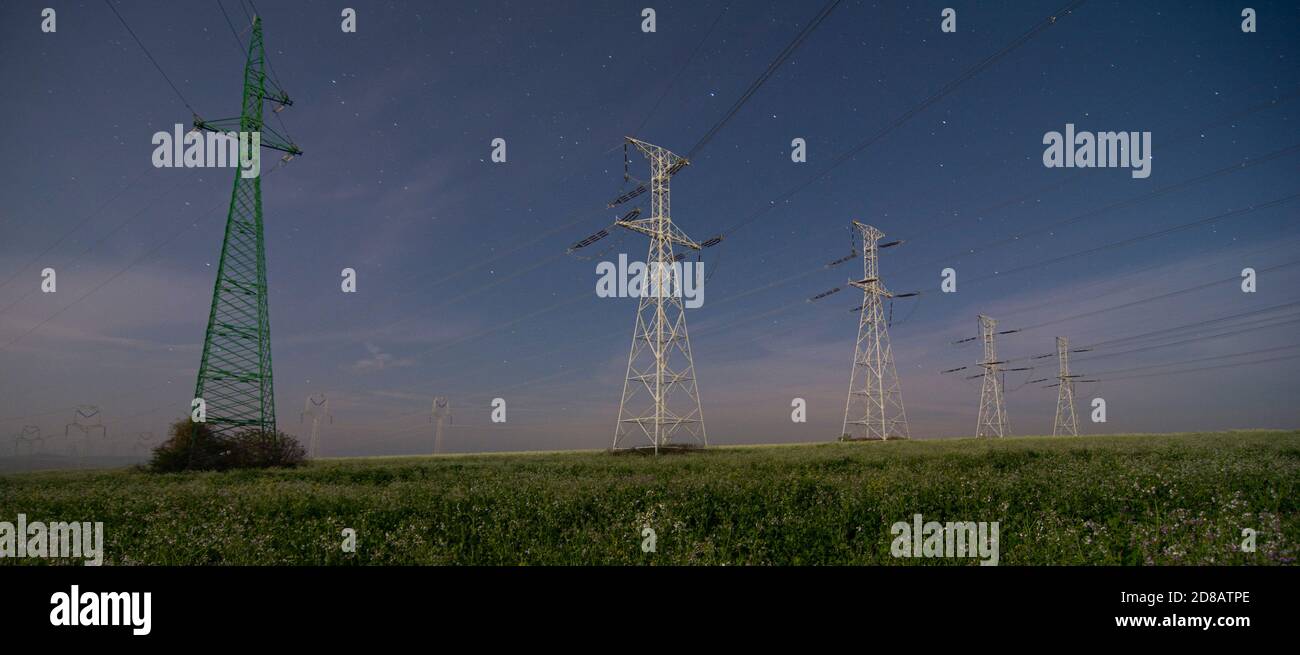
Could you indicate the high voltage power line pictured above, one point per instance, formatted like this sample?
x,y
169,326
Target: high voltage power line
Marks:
x,y
1147,269
146,255
516,274
1180,342
148,54
80,224
1246,163
1096,346
767,73
123,189
33,290
1198,360
566,372
1077,175
1001,274
237,39
906,116
753,87
1143,237
690,58
239,43
724,328
1179,292
1198,325
1164,333
1271,323
153,386
444,346
800,302
1234,365
583,217
1255,108
198,123
711,332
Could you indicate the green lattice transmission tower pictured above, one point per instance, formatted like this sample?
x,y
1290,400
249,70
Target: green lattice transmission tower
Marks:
x,y
235,379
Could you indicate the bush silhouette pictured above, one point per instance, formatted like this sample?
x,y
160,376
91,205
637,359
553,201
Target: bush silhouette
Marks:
x,y
194,447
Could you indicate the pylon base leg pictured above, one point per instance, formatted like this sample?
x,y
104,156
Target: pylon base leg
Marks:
x,y
845,437
667,449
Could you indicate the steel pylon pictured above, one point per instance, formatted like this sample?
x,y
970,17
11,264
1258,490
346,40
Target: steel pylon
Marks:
x,y
234,379
874,408
440,417
317,406
993,411
1066,421
660,396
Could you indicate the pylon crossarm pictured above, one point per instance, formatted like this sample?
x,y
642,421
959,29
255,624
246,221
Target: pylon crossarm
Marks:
x,y
650,228
654,152
275,141
277,95
871,285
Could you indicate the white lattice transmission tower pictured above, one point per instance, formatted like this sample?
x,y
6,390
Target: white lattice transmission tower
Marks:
x,y
1066,421
993,410
874,408
660,400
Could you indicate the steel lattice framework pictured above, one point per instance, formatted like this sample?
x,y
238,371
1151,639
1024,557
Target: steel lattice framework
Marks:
x,y
993,411
874,408
660,397
234,379
1066,421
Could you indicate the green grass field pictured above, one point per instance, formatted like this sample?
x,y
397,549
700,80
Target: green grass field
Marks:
x,y
1133,499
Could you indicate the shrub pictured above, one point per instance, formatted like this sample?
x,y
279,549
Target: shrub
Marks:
x,y
258,449
194,447
189,446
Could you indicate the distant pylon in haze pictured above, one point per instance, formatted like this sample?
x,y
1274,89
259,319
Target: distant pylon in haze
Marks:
x,y
1066,421
874,409
29,436
317,407
441,416
660,397
86,419
993,411
144,441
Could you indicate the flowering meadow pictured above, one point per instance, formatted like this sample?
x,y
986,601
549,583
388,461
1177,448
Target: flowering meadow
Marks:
x,y
1176,499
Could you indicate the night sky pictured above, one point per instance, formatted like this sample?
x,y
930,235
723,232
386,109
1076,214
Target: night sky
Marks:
x,y
464,287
